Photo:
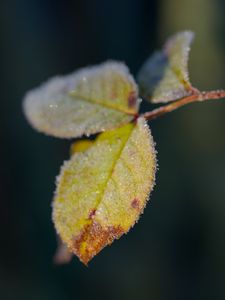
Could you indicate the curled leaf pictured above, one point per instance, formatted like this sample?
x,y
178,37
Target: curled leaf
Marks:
x,y
86,102
102,191
164,76
62,255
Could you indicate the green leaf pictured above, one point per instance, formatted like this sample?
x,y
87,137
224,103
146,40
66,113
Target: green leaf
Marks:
x,y
164,76
102,190
89,101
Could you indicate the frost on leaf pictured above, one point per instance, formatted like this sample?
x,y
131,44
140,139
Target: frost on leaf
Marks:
x,y
164,76
85,102
102,190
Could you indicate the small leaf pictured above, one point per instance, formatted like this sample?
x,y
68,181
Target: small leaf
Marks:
x,y
102,191
80,146
86,102
164,76
62,255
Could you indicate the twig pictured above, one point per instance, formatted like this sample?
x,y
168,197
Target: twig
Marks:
x,y
194,97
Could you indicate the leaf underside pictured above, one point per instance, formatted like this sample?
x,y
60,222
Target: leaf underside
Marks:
x,y
89,101
164,76
102,190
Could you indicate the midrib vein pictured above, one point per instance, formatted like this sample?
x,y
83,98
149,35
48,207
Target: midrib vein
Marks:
x,y
73,94
98,200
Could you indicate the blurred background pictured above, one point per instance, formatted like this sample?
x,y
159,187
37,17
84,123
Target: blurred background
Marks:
x,y
177,250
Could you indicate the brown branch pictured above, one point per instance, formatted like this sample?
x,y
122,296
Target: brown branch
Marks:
x,y
194,97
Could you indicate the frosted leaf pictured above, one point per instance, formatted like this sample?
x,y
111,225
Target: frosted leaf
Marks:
x,y
88,101
102,191
164,76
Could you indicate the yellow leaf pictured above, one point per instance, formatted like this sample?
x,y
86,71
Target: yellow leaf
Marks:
x,y
164,76
86,102
80,146
102,191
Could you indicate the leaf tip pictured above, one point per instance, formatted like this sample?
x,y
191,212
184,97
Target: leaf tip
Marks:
x,y
93,239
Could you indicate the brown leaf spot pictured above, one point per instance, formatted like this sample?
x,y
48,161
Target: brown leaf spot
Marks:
x,y
135,203
93,239
132,99
92,213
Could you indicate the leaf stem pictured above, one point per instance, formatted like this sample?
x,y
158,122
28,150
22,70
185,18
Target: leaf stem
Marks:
x,y
194,97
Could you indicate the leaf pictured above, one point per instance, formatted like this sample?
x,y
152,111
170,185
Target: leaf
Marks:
x,y
62,255
86,102
102,191
164,76
80,146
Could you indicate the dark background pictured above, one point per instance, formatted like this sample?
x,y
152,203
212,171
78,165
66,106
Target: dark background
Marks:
x,y
177,250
